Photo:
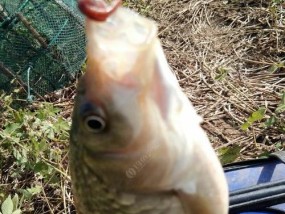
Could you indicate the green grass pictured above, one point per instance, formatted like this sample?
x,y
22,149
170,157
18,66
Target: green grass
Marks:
x,y
33,142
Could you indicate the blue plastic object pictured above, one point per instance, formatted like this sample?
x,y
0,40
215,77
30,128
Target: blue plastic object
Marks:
x,y
251,173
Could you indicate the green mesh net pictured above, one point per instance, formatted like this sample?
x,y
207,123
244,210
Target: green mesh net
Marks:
x,y
42,44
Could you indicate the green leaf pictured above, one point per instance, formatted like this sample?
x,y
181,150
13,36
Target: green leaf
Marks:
x,y
41,167
12,127
259,114
255,116
34,190
280,108
245,126
270,121
21,156
273,68
278,145
265,154
42,145
229,154
7,206
222,73
50,133
18,211
15,200
26,194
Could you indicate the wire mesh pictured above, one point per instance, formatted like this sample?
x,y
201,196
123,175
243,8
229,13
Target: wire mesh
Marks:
x,y
44,36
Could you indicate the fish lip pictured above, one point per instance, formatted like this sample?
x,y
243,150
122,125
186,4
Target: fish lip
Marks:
x,y
98,10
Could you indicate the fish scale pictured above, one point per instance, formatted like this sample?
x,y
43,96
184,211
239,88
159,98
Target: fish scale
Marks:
x,y
88,186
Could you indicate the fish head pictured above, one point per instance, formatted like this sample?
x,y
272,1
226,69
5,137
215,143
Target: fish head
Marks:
x,y
111,106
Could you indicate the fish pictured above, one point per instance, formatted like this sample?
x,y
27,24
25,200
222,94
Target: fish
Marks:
x,y
136,141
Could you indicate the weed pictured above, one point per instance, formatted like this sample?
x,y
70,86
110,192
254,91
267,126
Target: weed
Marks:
x,y
10,205
277,118
32,146
254,117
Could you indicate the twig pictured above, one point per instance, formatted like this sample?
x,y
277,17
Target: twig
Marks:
x,y
32,30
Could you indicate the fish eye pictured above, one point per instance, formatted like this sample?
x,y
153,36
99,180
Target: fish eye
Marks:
x,y
94,123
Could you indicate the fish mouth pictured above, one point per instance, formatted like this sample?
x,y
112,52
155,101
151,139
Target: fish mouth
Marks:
x,y
119,48
98,10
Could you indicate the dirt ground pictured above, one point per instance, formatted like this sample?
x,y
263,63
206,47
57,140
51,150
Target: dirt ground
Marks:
x,y
229,59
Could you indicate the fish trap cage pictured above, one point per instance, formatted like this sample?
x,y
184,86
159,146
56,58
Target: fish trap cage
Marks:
x,y
42,44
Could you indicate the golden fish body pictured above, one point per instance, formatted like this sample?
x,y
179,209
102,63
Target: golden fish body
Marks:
x,y
136,141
